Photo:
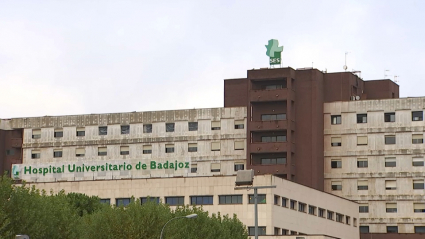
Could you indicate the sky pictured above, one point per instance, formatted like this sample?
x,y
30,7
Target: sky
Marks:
x,y
84,57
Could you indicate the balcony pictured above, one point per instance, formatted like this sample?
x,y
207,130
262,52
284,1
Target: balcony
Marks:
x,y
271,125
274,147
271,95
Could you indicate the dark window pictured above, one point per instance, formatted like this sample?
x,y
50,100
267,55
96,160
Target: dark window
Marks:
x,y
391,209
392,229
169,127
268,117
364,208
36,133
269,161
194,169
125,129
339,217
193,126
279,138
311,210
124,150
284,202
276,231
336,186
239,167
293,204
418,207
261,198
10,152
147,128
201,200
147,149
105,201
103,130
273,87
294,233
301,207
230,199
261,231
335,119
418,184
390,139
57,154
419,229
362,187
144,200
321,212
336,164
215,125
35,155
336,141
276,200
417,139
364,229
285,232
361,118
390,162
58,134
417,116
389,117
417,162
101,151
239,124
362,164
174,201
169,148
122,201
81,132
330,215
192,147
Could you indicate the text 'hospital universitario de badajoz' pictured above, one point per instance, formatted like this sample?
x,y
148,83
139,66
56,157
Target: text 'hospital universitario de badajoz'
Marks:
x,y
346,155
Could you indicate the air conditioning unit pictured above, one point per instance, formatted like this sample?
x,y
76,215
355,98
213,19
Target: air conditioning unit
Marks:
x,y
357,97
244,177
416,118
352,98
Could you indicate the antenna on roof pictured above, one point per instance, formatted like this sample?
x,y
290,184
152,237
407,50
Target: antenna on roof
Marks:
x,y
396,79
345,61
385,73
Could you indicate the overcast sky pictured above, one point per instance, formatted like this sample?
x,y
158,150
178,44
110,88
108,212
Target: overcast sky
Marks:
x,y
82,57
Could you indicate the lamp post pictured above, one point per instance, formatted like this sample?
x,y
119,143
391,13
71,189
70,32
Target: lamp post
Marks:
x,y
188,216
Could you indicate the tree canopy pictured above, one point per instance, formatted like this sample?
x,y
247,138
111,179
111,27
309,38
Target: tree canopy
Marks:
x,y
25,210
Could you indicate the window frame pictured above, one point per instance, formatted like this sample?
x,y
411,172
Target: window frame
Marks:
x,y
192,126
125,129
261,198
170,127
235,199
361,118
417,116
388,117
336,119
147,128
103,130
201,200
388,139
177,198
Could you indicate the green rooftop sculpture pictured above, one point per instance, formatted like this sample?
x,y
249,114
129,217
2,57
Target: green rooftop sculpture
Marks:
x,y
274,52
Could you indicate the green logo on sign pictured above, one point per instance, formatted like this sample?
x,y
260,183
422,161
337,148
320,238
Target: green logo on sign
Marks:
x,y
274,51
15,171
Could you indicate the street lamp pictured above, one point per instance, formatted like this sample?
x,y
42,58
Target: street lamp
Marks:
x,y
188,216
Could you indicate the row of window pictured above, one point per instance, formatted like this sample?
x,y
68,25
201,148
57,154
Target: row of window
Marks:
x,y
147,128
388,117
389,139
392,208
389,184
313,210
390,162
393,229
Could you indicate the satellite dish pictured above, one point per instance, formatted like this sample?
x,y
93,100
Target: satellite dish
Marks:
x,y
357,97
345,67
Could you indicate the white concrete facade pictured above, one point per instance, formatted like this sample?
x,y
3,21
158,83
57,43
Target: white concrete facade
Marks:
x,y
378,161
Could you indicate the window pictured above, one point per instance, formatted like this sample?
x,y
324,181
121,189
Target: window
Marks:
x,y
335,119
194,168
339,218
335,141
124,150
362,163
276,231
230,199
261,198
391,207
239,166
268,117
269,161
336,186
355,222
239,145
301,207
284,202
311,210
36,133
389,117
294,233
285,232
361,118
418,184
10,152
364,229
101,151
362,185
322,212
361,140
336,163
390,184
192,147
35,154
193,126
122,201
330,215
215,125
417,116
419,207
147,149
58,133
144,200
389,139
103,130
105,201
261,231
417,162
419,229
392,229
174,201
390,162
274,87
239,124
81,131
215,167
293,204
215,146
57,153
201,200
80,152
279,138
363,208
417,139
169,148
125,129
276,200
169,127
147,128
347,220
